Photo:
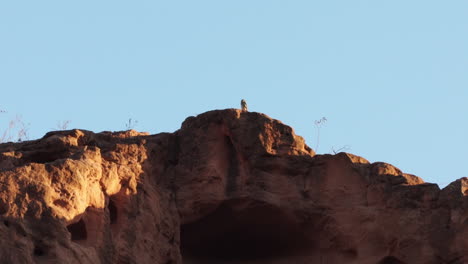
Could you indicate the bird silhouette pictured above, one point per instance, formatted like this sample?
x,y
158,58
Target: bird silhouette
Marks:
x,y
243,105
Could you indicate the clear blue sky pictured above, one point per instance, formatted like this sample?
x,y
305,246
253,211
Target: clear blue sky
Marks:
x,y
391,77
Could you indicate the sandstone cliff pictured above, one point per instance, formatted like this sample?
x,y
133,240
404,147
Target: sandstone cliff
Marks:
x,y
228,187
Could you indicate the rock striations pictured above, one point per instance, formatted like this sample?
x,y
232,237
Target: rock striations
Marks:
x,y
228,187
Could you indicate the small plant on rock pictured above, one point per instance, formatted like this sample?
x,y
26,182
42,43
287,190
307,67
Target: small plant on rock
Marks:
x,y
16,130
131,124
63,125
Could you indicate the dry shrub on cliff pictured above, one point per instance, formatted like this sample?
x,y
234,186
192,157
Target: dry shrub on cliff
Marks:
x,y
16,130
63,125
131,124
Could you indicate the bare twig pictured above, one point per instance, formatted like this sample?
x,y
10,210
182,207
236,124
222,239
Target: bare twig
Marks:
x,y
318,125
6,135
21,128
342,149
63,125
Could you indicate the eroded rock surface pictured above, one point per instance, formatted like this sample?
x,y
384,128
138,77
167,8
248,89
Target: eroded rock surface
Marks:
x,y
228,187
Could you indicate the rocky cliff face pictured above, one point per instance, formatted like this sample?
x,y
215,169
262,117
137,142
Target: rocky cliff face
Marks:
x,y
228,187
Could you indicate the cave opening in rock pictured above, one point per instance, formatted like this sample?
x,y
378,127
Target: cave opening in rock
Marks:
x,y
242,230
390,260
78,230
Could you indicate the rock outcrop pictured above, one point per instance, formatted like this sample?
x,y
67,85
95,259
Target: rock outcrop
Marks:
x,y
228,187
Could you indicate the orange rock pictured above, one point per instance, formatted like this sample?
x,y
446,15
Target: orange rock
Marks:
x,y
228,187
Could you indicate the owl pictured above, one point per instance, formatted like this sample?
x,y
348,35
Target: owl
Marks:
x,y
243,105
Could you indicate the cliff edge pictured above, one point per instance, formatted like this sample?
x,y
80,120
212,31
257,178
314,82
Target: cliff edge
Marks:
x,y
228,187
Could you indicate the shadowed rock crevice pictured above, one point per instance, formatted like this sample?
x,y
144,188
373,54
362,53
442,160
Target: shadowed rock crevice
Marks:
x,y
46,156
78,231
233,166
174,151
116,212
113,212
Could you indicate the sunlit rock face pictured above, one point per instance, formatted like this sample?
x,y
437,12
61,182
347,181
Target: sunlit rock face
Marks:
x,y
228,187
